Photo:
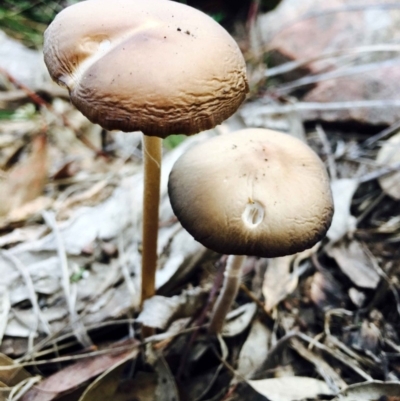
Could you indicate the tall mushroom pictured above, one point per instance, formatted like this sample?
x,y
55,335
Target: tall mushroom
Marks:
x,y
253,192
155,66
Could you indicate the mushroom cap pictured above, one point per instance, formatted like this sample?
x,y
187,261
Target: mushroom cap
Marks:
x,y
252,192
157,66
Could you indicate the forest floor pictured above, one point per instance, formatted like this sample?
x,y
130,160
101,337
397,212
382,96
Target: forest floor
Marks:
x,y
323,324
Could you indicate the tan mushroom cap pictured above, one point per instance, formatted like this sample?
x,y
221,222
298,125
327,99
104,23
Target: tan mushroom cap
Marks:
x,y
157,66
253,192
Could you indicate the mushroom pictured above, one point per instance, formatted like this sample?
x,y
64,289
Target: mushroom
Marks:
x,y
155,66
252,192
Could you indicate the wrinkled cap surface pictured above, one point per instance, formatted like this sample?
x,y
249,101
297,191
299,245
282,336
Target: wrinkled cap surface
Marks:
x,y
253,192
156,66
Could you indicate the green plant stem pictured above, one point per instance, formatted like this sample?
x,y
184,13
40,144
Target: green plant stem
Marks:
x,y
152,151
229,290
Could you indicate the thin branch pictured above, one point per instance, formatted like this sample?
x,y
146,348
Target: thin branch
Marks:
x,y
338,73
322,106
294,65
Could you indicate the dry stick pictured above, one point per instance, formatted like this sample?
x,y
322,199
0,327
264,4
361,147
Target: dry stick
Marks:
x,y
381,135
321,106
152,150
228,292
294,65
338,73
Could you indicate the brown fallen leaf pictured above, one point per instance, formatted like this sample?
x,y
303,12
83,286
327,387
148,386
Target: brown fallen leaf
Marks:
x,y
106,385
25,181
11,376
26,211
76,374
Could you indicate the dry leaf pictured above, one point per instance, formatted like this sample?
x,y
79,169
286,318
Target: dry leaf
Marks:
x,y
290,388
370,391
76,374
11,376
93,196
389,155
5,306
325,291
325,370
355,264
239,319
105,386
255,349
26,180
23,234
343,191
367,338
159,311
279,281
166,386
27,210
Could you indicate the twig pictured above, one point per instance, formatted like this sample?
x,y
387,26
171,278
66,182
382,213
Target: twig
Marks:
x,y
339,73
84,355
383,134
379,172
326,371
293,65
337,355
323,106
370,207
328,151
57,336
70,358
22,388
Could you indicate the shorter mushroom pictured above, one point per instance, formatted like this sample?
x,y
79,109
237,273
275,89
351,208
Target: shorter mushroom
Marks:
x,y
253,192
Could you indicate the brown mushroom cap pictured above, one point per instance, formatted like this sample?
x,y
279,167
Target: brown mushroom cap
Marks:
x,y
253,192
157,66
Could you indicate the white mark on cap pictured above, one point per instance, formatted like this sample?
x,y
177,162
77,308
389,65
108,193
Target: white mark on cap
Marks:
x,y
253,214
100,48
104,45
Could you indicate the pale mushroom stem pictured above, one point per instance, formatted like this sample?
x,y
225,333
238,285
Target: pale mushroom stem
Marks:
x,y
152,151
229,290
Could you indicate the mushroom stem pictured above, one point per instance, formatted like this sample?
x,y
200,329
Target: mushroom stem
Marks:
x,y
152,151
229,290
